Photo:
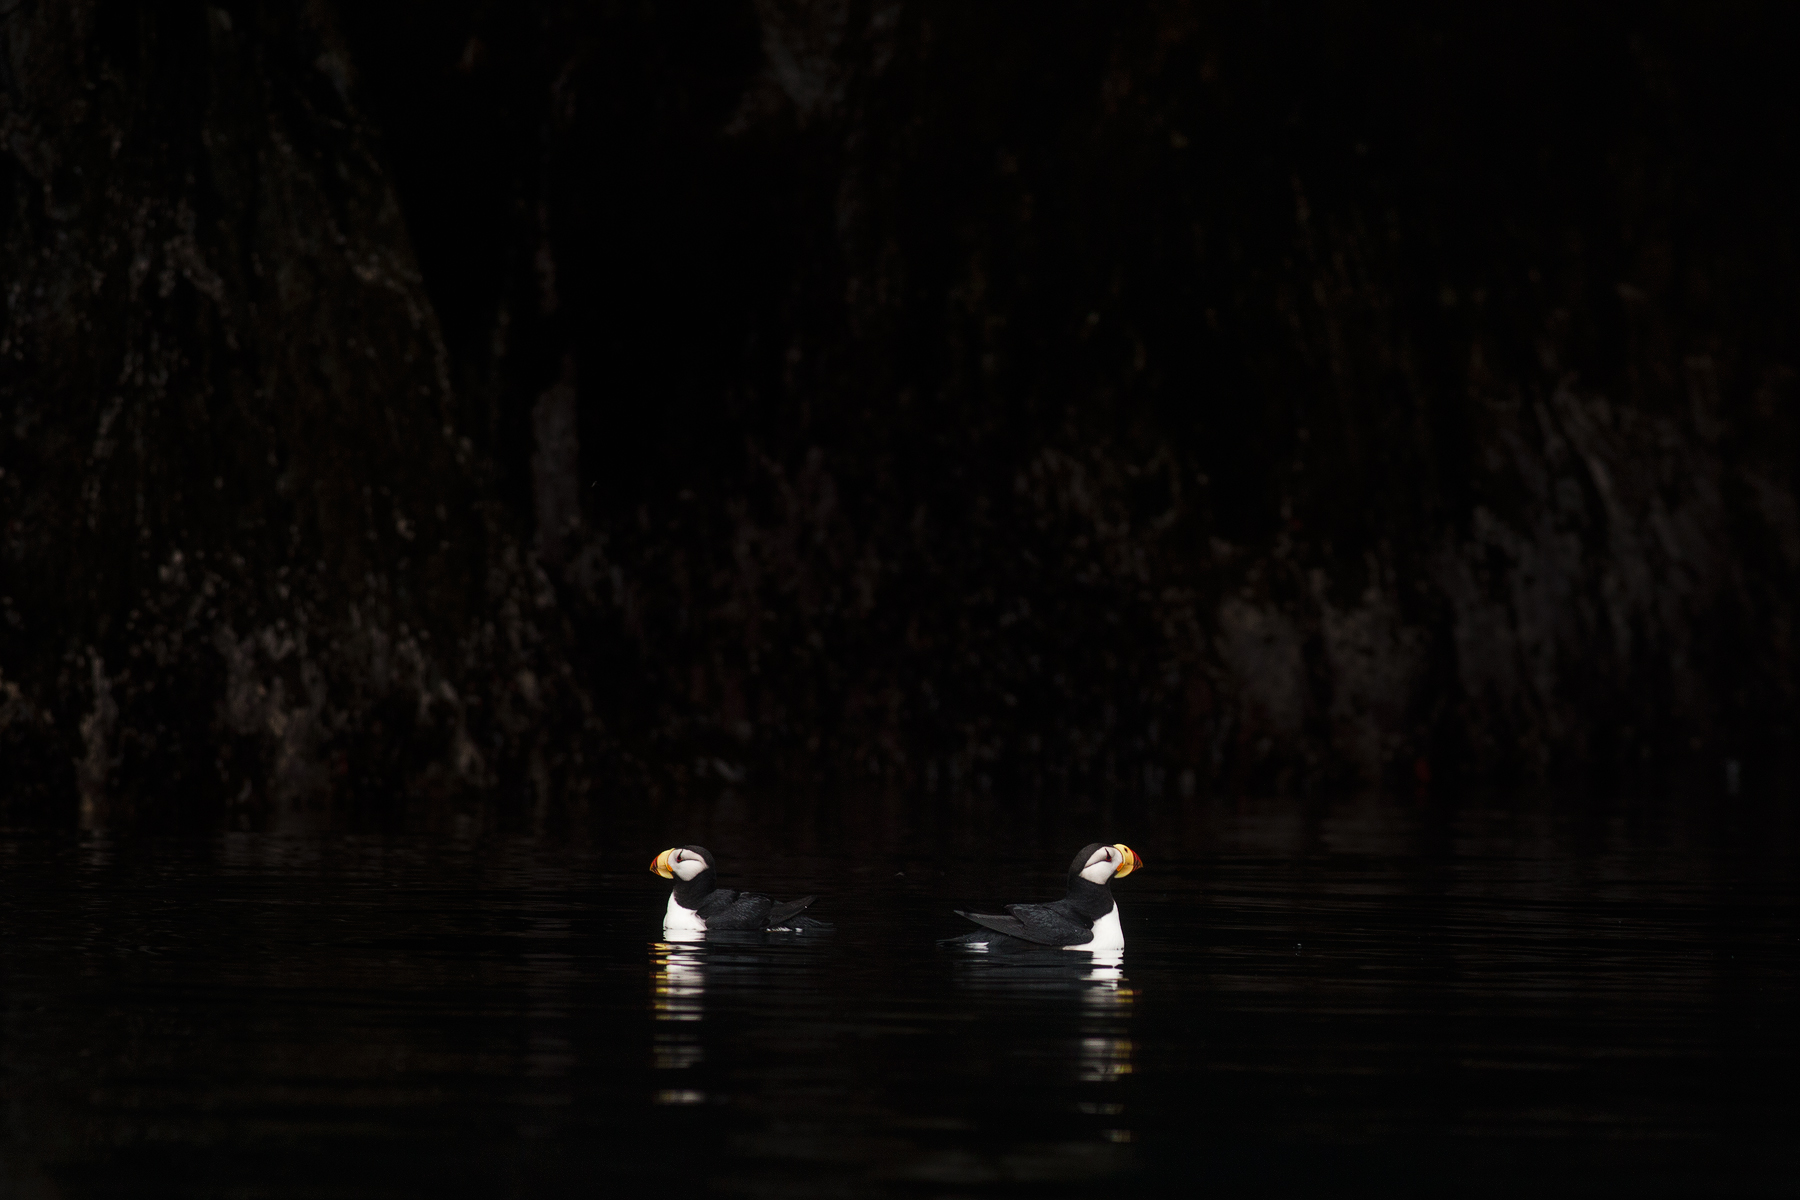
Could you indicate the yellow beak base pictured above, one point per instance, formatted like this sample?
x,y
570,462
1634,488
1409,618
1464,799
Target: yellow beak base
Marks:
x,y
660,864
1128,860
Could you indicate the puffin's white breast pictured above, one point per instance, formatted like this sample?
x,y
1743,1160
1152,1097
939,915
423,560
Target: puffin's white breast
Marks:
x,y
686,918
1107,933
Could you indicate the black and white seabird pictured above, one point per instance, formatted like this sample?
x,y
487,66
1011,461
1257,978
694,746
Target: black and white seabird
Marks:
x,y
696,905
1086,918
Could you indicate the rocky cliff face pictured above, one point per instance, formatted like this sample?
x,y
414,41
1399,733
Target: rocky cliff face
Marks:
x,y
251,567
972,397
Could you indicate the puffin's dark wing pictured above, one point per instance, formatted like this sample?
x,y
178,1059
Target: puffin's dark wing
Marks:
x,y
779,914
726,910
1040,923
1050,925
1008,925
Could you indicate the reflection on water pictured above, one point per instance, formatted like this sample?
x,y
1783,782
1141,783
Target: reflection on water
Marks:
x,y
1106,1005
1509,1000
1088,998
1104,1058
678,991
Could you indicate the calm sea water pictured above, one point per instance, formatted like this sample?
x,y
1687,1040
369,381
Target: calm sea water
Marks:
x,y
1363,997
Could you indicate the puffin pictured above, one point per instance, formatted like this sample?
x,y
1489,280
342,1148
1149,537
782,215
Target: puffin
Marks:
x,y
1086,918
697,905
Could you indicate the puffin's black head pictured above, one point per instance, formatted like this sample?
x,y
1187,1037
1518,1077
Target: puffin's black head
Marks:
x,y
1099,863
685,863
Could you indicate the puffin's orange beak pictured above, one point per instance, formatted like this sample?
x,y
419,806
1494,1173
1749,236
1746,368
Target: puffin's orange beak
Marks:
x,y
660,864
1128,860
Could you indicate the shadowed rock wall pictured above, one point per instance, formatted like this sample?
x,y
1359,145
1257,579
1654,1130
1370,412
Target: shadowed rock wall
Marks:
x,y
1040,399
251,568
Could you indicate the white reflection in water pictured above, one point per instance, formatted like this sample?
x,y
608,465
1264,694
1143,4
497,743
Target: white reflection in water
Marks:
x,y
1102,1050
1103,1053
677,1000
1106,972
1101,1059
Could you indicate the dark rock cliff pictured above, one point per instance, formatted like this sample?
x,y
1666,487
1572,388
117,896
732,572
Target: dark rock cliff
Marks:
x,y
252,570
1035,398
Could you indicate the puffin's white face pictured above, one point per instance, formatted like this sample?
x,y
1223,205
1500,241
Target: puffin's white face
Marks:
x,y
1108,861
678,864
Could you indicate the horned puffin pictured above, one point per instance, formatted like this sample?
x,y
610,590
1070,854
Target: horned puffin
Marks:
x,y
1086,918
696,905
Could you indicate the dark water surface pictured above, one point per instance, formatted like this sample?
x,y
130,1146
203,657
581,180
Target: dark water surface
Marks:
x,y
1358,997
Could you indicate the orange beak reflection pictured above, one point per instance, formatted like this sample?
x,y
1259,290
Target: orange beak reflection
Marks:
x,y
1128,860
660,864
